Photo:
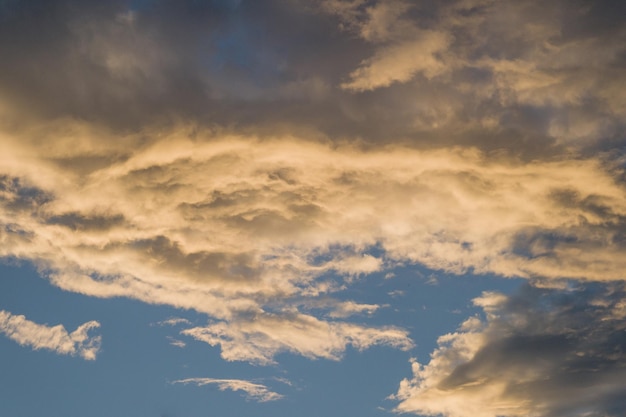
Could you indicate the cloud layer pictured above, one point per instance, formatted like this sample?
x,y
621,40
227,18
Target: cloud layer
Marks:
x,y
55,338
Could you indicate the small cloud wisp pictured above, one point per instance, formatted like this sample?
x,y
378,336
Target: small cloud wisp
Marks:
x,y
252,391
54,338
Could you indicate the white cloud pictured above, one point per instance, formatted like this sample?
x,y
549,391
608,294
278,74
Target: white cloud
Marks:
x,y
55,338
253,391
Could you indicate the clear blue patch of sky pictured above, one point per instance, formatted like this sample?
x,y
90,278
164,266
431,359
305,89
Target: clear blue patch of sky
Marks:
x,y
426,302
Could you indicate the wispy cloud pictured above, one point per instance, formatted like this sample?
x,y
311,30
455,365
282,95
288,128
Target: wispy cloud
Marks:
x,y
252,391
348,308
176,342
173,321
55,338
260,337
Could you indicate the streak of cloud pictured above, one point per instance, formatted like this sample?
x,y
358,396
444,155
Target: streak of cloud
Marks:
x,y
252,391
173,321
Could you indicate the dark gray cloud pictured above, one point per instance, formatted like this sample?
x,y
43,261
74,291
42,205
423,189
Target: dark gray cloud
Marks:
x,y
527,78
128,64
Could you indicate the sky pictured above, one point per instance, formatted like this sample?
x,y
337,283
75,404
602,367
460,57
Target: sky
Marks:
x,y
278,208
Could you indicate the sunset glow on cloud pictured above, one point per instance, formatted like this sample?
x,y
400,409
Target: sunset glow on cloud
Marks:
x,y
268,188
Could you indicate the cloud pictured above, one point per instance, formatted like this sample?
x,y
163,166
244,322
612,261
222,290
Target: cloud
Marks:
x,y
256,392
250,162
349,308
399,63
545,352
212,273
519,77
259,338
204,157
55,338
244,228
176,342
173,321
404,49
547,74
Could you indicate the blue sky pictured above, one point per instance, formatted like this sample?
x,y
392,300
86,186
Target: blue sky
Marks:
x,y
312,208
137,362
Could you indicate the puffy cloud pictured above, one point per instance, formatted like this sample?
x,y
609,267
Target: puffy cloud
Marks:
x,y
55,338
544,352
253,391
